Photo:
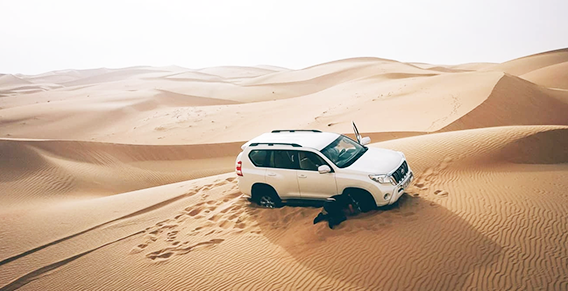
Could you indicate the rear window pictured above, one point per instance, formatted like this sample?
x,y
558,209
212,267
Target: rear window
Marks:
x,y
259,158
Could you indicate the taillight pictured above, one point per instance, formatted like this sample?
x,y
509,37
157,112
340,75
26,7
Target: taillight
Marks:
x,y
239,168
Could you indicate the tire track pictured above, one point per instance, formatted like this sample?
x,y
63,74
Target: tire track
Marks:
x,y
34,275
136,213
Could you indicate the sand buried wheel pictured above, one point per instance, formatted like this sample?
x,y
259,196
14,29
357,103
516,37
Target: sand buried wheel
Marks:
x,y
267,201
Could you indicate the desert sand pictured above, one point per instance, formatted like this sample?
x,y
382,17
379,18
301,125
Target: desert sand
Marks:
x,y
123,179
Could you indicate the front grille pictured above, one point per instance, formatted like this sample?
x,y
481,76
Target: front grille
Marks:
x,y
401,172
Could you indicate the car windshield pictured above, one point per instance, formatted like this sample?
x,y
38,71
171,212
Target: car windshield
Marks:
x,y
343,151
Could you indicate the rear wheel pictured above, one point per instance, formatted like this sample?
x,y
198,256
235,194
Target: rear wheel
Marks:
x,y
265,196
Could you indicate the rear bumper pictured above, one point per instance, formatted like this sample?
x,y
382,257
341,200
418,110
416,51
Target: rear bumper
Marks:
x,y
244,187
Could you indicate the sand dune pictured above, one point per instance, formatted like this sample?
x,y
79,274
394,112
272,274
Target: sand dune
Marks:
x,y
553,76
7,80
141,117
112,76
37,172
10,84
191,111
550,147
472,66
122,179
339,72
393,248
62,76
234,72
531,63
514,101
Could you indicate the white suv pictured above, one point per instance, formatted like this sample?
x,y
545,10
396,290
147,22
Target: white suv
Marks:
x,y
285,165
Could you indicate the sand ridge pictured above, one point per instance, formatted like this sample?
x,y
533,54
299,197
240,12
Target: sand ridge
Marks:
x,y
553,76
123,179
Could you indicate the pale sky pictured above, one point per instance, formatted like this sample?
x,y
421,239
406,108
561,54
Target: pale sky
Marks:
x,y
41,36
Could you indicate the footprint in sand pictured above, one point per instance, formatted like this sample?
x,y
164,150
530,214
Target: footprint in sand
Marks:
x,y
442,193
233,216
138,248
214,218
196,205
171,236
224,224
159,255
206,187
218,216
430,174
181,249
194,212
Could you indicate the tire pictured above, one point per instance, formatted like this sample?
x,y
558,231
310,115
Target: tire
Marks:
x,y
364,199
265,196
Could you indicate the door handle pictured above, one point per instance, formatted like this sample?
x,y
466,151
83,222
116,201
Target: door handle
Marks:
x,y
271,174
302,176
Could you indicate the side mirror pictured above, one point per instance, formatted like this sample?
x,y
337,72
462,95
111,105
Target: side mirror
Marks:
x,y
366,140
324,169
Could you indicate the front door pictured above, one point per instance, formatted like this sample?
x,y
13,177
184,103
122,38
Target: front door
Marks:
x,y
312,184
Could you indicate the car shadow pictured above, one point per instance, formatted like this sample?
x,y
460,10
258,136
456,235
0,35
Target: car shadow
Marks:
x,y
412,244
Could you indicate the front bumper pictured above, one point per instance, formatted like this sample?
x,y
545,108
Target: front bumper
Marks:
x,y
399,189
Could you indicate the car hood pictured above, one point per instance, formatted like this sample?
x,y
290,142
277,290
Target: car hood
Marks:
x,y
377,161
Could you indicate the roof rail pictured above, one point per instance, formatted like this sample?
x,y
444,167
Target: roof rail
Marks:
x,y
294,130
275,143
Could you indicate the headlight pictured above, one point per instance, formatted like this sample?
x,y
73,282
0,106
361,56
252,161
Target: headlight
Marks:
x,y
383,179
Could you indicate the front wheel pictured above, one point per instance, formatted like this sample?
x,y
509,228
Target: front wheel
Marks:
x,y
364,199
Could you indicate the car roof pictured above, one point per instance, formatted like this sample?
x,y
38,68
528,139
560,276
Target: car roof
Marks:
x,y
308,139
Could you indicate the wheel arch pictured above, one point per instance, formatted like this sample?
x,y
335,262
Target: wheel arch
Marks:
x,y
260,186
358,190
360,195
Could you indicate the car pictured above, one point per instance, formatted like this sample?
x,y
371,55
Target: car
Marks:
x,y
286,165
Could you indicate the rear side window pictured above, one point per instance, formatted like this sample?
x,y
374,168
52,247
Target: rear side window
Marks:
x,y
284,159
260,158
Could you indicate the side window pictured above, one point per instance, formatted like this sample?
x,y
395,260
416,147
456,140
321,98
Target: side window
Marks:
x,y
260,158
310,161
284,159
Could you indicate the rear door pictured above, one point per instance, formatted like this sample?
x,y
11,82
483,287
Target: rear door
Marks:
x,y
258,158
314,185
282,173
